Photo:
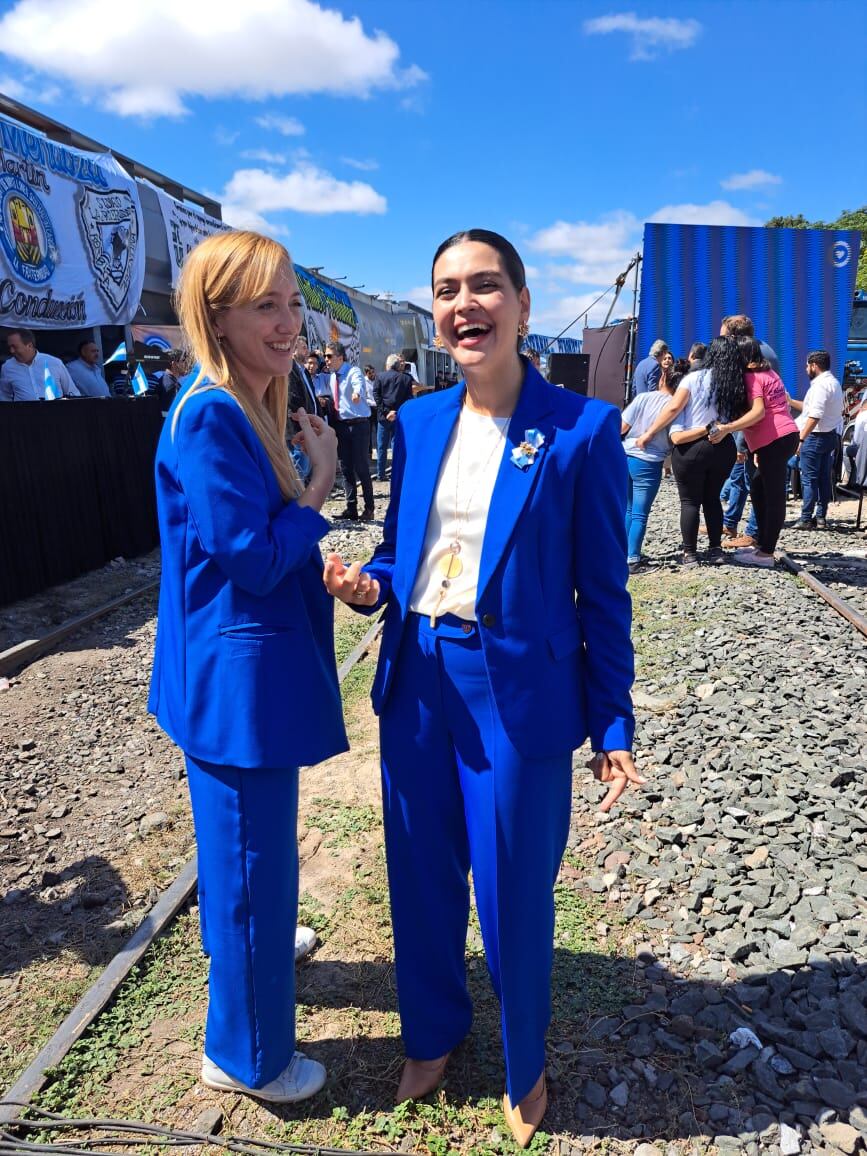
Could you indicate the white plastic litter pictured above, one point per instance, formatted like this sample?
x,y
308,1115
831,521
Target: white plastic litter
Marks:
x,y
744,1038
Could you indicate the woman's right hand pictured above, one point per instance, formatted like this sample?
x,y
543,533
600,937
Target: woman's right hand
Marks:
x,y
319,442
349,583
641,442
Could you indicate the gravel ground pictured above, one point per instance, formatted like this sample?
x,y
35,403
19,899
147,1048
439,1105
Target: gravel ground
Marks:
x,y
739,874
744,863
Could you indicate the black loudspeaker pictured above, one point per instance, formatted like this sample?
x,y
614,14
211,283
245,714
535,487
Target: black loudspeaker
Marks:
x,y
571,370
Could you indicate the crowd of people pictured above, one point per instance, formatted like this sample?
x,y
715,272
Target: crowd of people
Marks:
x,y
724,419
506,644
28,374
361,405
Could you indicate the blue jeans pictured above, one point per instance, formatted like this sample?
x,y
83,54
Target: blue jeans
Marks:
x,y
734,496
644,479
384,434
817,456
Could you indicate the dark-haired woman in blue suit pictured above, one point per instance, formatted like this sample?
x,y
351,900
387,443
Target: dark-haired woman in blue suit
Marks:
x,y
506,644
244,630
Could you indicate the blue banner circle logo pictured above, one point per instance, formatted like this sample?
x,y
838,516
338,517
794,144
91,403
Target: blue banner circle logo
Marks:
x,y
26,232
840,254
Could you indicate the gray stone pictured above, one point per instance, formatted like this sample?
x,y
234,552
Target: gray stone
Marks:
x,y
594,1094
156,821
619,1094
841,1136
790,1140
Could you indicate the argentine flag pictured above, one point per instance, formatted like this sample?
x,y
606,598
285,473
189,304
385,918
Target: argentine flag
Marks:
x,y
53,391
118,355
139,382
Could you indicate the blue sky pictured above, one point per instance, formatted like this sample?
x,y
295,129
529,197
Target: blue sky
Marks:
x,y
364,133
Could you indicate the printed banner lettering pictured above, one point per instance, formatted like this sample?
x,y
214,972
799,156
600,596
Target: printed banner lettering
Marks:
x,y
71,236
185,228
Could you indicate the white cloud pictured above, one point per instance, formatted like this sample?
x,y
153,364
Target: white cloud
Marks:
x,y
265,156
241,217
285,125
649,36
563,311
419,295
29,92
713,213
256,51
369,166
306,189
598,250
224,136
754,179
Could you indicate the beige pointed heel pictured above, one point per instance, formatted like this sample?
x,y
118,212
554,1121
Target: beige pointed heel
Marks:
x,y
525,1118
420,1077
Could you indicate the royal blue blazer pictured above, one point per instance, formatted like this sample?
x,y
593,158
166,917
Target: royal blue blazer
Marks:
x,y
244,671
552,606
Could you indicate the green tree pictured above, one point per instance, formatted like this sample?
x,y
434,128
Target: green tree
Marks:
x,y
856,219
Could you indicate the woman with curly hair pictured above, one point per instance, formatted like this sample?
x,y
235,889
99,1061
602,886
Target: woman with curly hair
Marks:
x,y
713,393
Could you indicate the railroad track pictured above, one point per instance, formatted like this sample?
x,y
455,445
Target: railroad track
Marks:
x,y
161,915
173,900
24,652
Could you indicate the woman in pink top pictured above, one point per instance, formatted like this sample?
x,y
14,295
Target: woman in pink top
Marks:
x,y
772,436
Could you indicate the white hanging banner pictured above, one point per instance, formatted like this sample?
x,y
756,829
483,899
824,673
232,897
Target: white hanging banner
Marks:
x,y
185,227
72,248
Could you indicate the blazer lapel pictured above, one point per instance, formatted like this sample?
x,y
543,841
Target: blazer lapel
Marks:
x,y
420,484
514,485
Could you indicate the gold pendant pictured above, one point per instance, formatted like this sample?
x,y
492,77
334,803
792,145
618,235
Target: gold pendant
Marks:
x,y
450,565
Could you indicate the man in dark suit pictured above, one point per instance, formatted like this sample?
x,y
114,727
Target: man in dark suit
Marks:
x,y
391,389
302,395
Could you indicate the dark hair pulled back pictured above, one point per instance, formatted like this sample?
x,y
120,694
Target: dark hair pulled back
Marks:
x,y
727,391
512,263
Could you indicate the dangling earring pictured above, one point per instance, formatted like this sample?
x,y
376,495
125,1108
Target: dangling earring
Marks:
x,y
438,341
523,331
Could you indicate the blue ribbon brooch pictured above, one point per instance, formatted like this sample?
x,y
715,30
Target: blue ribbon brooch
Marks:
x,y
524,455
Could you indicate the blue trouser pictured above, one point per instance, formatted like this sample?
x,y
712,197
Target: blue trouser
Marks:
x,y
734,496
456,796
643,486
817,457
384,434
246,837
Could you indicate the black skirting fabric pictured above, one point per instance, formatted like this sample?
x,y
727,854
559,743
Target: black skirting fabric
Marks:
x,y
76,488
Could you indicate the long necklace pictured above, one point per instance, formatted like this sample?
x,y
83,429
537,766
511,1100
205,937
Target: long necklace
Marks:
x,y
451,564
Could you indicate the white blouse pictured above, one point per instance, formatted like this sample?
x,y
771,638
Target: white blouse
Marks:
x,y
459,513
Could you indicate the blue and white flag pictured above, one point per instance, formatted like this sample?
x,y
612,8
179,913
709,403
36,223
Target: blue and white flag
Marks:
x,y
139,382
53,391
118,355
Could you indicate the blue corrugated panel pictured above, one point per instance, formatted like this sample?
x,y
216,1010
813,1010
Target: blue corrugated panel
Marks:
x,y
796,285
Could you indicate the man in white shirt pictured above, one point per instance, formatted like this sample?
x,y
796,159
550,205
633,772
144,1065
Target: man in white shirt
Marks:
x,y
352,426
87,373
821,422
22,377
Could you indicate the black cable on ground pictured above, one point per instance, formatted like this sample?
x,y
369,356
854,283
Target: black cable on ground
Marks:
x,y
135,1133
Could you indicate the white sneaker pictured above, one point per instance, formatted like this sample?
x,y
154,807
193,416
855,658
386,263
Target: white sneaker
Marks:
x,y
304,1077
305,941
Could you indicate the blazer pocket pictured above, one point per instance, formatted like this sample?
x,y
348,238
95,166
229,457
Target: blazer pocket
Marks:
x,y
565,641
251,631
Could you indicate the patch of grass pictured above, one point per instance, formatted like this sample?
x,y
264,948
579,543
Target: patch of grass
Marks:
x,y
155,986
341,822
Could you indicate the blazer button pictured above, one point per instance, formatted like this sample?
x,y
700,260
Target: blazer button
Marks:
x,y
488,620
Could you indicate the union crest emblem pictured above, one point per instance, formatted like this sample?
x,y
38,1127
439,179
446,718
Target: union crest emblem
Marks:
x,y
26,233
111,229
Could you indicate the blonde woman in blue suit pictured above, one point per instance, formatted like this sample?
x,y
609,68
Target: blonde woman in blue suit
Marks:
x,y
244,676
506,644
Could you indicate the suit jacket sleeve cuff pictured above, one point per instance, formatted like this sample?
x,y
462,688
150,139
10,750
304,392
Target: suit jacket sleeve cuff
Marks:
x,y
617,736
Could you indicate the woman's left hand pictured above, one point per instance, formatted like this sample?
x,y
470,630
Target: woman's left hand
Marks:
x,y
618,769
721,431
349,583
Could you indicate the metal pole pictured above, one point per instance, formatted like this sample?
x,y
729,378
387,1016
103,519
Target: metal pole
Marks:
x,y
633,333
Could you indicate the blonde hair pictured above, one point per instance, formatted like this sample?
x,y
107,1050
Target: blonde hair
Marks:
x,y
229,269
